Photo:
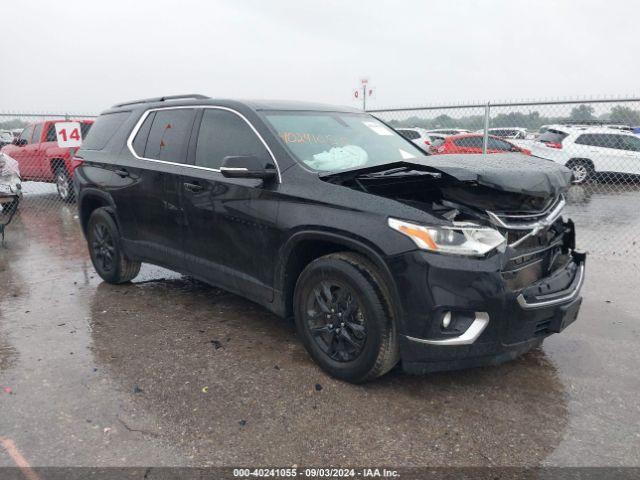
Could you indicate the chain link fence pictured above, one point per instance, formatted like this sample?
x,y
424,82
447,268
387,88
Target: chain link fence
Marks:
x,y
598,139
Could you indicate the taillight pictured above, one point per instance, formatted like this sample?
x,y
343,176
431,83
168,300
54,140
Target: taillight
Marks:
x,y
553,144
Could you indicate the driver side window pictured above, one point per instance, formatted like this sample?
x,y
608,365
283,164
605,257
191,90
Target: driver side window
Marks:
x,y
224,134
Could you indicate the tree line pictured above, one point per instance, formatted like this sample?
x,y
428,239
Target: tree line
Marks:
x,y
618,114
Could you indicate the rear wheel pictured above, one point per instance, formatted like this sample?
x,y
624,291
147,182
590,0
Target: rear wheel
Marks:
x,y
582,170
106,253
343,316
64,185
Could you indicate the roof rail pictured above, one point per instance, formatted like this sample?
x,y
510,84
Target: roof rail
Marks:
x,y
195,96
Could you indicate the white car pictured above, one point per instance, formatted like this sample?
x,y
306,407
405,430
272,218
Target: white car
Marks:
x,y
513,133
447,131
419,136
6,137
589,150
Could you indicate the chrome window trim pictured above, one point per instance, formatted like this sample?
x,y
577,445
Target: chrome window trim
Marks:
x,y
480,322
144,116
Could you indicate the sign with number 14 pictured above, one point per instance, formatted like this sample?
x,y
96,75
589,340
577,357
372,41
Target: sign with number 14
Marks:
x,y
68,134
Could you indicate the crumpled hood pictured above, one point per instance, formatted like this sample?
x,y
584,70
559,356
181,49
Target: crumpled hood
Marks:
x,y
510,172
507,172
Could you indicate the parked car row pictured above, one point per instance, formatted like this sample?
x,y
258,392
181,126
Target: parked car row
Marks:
x,y
40,159
587,150
441,143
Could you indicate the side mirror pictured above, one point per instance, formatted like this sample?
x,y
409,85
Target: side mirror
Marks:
x,y
247,166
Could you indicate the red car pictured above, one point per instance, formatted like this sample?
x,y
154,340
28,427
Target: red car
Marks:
x,y
472,143
41,159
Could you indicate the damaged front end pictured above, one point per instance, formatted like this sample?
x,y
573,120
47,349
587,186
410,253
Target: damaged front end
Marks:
x,y
518,277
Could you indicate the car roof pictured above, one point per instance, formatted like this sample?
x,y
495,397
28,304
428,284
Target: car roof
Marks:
x,y
467,135
588,129
256,105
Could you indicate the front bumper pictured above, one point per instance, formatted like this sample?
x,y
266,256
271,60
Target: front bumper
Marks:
x,y
500,324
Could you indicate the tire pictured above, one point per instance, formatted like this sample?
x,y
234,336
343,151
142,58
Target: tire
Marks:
x,y
103,239
582,171
64,185
356,307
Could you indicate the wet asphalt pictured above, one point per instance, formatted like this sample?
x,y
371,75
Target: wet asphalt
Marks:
x,y
169,371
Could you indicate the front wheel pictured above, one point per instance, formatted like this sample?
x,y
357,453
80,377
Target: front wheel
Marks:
x,y
344,317
64,185
107,256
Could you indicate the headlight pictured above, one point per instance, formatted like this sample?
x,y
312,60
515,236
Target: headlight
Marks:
x,y
460,239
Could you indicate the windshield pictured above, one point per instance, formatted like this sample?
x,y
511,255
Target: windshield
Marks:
x,y
330,141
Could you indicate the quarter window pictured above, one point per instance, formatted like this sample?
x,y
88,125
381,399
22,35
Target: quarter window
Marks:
x,y
496,144
223,134
169,135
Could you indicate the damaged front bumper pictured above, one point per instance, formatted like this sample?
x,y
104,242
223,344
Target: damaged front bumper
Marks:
x,y
488,322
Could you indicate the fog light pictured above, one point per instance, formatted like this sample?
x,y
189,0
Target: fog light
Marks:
x,y
446,320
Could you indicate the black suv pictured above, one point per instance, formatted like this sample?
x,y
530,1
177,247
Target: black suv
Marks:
x,y
324,214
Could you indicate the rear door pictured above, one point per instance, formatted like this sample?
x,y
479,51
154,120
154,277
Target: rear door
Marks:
x,y
603,149
154,200
230,235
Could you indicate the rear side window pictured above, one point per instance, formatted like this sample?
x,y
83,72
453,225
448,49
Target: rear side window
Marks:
x,y
630,143
169,135
496,144
102,130
552,136
469,142
223,134
409,134
600,140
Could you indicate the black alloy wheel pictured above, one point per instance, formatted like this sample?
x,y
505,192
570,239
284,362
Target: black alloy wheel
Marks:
x,y
336,321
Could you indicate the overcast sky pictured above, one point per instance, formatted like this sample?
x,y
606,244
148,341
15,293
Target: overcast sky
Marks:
x,y
83,56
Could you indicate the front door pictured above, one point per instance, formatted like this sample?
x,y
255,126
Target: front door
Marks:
x,y
231,236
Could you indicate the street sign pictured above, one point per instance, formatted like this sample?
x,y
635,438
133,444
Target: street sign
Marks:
x,y
68,134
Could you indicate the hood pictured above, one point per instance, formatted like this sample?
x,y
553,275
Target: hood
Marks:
x,y
508,172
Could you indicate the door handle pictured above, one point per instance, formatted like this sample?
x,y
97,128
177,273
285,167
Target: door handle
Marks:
x,y
122,173
193,187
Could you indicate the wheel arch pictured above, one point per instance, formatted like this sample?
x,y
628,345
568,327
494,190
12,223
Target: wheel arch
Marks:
x,y
305,246
90,200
